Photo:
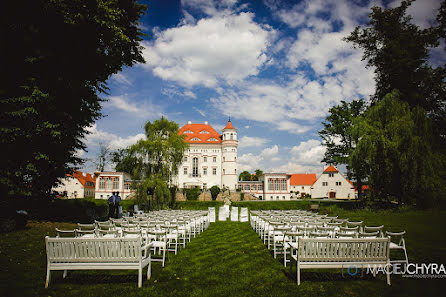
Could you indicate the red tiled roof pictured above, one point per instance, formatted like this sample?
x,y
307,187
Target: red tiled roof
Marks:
x,y
331,168
203,137
364,187
303,179
83,178
229,126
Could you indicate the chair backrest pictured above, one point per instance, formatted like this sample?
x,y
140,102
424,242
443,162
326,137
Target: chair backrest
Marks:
x,y
80,233
244,214
396,237
93,249
345,235
349,229
211,214
86,226
102,232
158,235
293,236
319,235
131,232
354,224
234,214
374,228
65,233
349,249
374,234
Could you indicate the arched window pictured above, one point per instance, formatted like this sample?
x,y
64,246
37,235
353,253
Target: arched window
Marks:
x,y
232,136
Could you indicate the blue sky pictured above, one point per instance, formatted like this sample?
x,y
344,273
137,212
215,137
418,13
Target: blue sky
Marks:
x,y
275,67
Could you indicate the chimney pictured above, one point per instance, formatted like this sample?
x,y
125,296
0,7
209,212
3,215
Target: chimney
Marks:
x,y
206,122
189,122
84,174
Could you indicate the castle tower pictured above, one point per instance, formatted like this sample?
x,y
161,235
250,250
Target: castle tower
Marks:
x,y
229,157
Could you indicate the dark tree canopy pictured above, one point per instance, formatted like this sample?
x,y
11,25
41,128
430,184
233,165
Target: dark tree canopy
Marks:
x,y
58,56
244,176
399,51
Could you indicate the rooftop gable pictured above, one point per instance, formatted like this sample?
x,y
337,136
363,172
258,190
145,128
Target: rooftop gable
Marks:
x,y
303,179
194,133
330,169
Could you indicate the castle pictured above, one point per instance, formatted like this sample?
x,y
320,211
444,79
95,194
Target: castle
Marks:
x,y
211,158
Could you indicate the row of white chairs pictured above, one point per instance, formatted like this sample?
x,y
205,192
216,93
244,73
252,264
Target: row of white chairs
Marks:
x,y
166,231
279,229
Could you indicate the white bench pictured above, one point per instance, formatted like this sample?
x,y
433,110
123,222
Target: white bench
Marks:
x,y
97,253
340,253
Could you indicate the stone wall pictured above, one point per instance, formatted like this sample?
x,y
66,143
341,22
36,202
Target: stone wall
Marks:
x,y
205,196
180,197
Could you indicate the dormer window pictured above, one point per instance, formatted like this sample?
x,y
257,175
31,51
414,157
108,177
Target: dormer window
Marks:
x,y
195,139
188,132
204,132
212,139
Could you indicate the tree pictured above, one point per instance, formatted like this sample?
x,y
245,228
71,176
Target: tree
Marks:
x,y
337,135
58,55
125,161
399,51
156,158
257,175
102,158
244,176
395,150
215,190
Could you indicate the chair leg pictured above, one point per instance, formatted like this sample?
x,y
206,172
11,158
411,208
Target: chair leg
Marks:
x,y
164,255
405,254
149,269
388,273
64,273
298,273
48,277
140,277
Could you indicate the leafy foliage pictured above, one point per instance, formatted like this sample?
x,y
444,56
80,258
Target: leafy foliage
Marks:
x,y
154,160
395,150
244,176
193,193
215,190
399,52
58,55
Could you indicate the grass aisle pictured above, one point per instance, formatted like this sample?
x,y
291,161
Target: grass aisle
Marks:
x,y
228,259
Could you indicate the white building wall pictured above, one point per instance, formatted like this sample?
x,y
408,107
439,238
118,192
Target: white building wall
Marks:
x,y
104,193
272,193
344,190
301,188
206,165
72,186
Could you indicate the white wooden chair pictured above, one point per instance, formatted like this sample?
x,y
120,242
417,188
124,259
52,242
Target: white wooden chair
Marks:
x,y
65,233
234,214
158,241
211,214
374,228
222,214
244,214
397,242
290,237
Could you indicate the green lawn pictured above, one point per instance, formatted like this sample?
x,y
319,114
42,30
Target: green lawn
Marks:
x,y
228,259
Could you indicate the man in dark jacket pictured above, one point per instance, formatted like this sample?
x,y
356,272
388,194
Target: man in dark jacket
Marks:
x,y
111,205
117,201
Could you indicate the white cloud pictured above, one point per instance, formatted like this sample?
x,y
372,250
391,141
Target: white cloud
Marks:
x,y
423,12
270,152
122,103
190,94
308,152
121,78
248,141
111,140
200,111
210,7
262,161
221,48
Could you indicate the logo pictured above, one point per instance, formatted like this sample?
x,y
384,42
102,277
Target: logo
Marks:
x,y
411,270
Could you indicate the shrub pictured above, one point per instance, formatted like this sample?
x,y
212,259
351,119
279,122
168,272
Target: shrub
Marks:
x,y
214,192
242,196
192,194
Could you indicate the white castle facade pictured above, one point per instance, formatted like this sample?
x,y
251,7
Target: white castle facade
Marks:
x,y
211,158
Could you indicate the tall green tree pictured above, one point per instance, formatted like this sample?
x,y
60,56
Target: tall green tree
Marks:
x,y
58,56
395,151
399,52
244,176
257,175
155,159
338,137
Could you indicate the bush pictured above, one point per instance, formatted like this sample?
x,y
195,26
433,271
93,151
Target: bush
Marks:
x,y
192,194
242,196
215,190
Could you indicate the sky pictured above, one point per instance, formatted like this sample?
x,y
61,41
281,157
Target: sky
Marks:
x,y
274,67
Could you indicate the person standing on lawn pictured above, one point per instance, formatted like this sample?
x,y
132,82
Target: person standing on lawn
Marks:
x,y
111,205
117,201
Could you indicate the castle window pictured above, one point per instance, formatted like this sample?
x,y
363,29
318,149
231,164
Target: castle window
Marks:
x,y
214,159
116,183
205,171
185,171
188,132
109,183
101,183
204,132
331,175
214,171
195,167
324,184
212,139
195,139
185,159
205,159
338,183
